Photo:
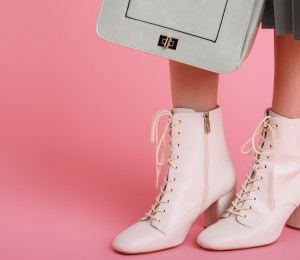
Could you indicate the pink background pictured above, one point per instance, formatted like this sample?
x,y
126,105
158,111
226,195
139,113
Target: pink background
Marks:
x,y
76,162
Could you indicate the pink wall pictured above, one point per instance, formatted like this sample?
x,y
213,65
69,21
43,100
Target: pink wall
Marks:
x,y
76,163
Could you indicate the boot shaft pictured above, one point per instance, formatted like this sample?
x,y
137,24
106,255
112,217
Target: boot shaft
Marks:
x,y
201,170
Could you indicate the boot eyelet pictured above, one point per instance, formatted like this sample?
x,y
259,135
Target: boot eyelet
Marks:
x,y
177,144
245,216
178,133
254,198
158,220
176,167
168,201
179,121
177,156
261,177
164,210
268,157
270,145
171,190
257,188
174,179
276,125
265,166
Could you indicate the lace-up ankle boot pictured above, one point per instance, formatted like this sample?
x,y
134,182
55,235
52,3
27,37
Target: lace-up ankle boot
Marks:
x,y
270,192
200,177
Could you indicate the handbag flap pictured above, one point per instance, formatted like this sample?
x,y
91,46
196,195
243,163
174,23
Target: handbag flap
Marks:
x,y
181,16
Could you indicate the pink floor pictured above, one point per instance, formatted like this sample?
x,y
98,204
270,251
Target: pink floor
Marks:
x,y
76,162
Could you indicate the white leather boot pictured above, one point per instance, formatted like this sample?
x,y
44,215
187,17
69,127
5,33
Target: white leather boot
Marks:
x,y
200,174
270,193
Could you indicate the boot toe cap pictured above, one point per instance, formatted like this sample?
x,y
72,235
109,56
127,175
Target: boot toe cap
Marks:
x,y
141,237
226,234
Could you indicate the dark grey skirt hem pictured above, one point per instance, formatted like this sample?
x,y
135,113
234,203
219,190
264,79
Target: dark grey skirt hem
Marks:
x,y
278,32
283,16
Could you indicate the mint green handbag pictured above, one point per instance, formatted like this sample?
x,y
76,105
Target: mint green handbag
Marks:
x,y
216,35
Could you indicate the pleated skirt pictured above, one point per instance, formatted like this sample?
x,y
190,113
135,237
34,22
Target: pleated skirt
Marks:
x,y
283,16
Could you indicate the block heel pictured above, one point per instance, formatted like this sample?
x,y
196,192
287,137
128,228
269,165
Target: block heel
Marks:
x,y
294,219
215,211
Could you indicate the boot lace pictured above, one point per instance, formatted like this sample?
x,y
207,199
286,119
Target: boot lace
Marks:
x,y
160,161
261,153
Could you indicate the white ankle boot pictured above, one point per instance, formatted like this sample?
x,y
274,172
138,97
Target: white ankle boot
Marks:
x,y
200,177
270,193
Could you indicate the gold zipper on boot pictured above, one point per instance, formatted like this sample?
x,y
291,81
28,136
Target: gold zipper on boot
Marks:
x,y
206,122
205,136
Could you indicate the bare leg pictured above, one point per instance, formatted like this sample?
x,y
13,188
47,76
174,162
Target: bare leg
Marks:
x,y
286,96
193,87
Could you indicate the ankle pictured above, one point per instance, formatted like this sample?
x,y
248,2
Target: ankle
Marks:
x,y
288,114
200,109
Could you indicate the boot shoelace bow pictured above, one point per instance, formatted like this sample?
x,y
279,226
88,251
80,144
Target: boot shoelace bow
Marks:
x,y
260,154
161,142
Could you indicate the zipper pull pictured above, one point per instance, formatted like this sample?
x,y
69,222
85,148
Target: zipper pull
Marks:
x,y
206,122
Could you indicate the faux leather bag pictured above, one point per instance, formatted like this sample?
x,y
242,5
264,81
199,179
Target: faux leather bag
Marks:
x,y
215,35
